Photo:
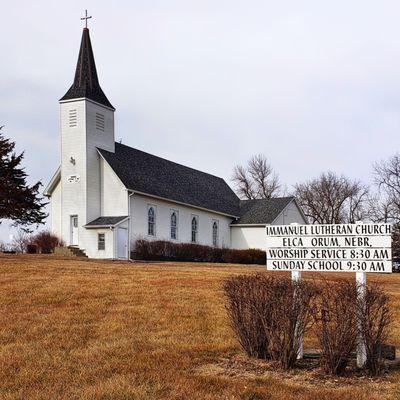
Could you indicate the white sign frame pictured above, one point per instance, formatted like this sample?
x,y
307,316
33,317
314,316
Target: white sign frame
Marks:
x,y
358,247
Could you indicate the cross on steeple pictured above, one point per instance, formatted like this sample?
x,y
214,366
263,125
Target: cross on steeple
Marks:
x,y
86,18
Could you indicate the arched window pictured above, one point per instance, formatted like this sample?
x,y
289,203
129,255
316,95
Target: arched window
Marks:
x,y
174,225
151,221
194,229
215,233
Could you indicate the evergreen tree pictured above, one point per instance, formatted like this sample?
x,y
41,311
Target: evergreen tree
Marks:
x,y
19,202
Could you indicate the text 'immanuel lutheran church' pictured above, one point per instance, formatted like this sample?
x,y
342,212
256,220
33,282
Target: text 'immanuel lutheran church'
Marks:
x,y
105,195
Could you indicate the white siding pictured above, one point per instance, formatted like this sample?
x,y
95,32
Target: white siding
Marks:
x,y
114,196
96,138
55,210
80,142
91,241
139,206
73,144
248,237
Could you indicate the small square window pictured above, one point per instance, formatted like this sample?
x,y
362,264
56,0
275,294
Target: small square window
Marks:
x,y
101,241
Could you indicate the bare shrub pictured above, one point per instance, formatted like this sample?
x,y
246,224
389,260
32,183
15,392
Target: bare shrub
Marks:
x,y
375,318
291,317
163,250
46,241
336,329
248,308
269,315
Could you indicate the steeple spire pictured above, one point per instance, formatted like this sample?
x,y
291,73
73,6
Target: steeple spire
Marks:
x,y
86,83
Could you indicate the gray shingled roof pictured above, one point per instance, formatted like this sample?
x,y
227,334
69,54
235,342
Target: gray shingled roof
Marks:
x,y
262,211
86,83
149,174
106,221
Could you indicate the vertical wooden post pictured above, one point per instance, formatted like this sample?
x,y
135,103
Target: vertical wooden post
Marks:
x,y
296,277
361,279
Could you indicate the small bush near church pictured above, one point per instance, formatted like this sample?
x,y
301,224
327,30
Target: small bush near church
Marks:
x,y
335,328
46,242
248,306
375,318
162,250
269,315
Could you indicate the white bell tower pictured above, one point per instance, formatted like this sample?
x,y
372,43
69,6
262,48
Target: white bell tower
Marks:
x,y
86,123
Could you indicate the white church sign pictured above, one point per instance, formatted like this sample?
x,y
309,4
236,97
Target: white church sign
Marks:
x,y
333,248
360,248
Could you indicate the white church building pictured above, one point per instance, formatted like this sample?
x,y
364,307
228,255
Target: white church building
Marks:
x,y
105,195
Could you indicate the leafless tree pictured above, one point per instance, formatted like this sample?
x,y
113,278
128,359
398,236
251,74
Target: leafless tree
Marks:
x,y
387,178
385,206
332,199
20,241
257,180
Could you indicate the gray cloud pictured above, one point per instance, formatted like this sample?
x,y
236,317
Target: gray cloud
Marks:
x,y
313,85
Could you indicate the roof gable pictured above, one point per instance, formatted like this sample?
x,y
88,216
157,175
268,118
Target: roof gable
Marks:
x,y
152,175
261,211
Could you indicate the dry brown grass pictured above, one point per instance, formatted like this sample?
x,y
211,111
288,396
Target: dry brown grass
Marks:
x,y
72,329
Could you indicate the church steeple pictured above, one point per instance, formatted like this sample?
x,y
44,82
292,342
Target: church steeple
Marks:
x,y
86,83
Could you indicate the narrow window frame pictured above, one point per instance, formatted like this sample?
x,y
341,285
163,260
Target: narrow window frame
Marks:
x,y
151,220
101,241
215,232
174,228
194,233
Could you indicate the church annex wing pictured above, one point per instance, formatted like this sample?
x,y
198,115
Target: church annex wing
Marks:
x,y
155,176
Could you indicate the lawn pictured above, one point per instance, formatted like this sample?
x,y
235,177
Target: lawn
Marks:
x,y
78,329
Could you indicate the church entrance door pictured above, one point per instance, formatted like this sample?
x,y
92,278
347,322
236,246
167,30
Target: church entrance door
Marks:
x,y
74,230
122,242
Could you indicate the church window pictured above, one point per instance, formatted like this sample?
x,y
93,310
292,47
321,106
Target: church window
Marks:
x,y
151,221
174,225
72,118
100,122
215,233
101,241
195,229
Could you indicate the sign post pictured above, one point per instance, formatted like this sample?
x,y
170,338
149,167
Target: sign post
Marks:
x,y
361,279
296,277
360,248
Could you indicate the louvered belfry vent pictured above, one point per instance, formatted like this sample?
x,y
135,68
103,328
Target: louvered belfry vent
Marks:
x,y
100,122
72,118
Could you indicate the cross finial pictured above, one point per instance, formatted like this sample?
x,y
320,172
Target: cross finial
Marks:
x,y
86,18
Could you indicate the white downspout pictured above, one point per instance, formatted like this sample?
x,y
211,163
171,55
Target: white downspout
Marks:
x,y
129,224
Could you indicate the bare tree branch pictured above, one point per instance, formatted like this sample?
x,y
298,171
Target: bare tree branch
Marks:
x,y
256,181
332,199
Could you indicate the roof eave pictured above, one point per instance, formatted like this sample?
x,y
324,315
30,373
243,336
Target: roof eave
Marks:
x,y
53,182
244,225
87,99
106,225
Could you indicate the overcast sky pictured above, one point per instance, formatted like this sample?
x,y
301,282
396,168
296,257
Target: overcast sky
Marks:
x,y
313,85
